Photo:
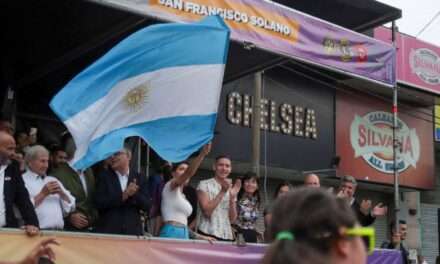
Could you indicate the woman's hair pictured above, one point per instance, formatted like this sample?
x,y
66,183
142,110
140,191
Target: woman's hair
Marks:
x,y
281,185
315,218
176,165
248,176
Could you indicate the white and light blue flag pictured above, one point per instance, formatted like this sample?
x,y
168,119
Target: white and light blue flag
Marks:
x,y
161,83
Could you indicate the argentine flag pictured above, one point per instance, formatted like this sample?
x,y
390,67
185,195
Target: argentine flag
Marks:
x,y
161,83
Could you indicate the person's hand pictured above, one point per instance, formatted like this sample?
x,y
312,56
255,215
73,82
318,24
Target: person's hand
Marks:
x,y
52,187
42,249
365,206
235,189
207,238
131,189
31,230
342,193
379,210
206,149
225,185
79,220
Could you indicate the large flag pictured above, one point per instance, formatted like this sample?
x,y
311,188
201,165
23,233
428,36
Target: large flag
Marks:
x,y
162,83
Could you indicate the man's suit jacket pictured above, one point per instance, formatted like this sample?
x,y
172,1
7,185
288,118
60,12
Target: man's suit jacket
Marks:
x,y
116,216
364,220
15,193
83,202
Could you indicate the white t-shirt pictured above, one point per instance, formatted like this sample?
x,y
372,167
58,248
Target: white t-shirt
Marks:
x,y
218,224
174,205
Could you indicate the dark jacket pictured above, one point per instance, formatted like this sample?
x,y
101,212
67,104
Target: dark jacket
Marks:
x,y
15,192
83,203
116,216
364,220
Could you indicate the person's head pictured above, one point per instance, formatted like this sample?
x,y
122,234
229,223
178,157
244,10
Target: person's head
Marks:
x,y
403,228
179,169
348,185
222,167
7,147
37,159
312,180
22,139
319,224
57,156
282,189
6,126
120,161
250,188
401,231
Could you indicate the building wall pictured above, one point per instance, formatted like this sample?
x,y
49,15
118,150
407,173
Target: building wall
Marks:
x,y
430,231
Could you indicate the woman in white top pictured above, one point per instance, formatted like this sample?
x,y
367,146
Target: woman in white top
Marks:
x,y
175,207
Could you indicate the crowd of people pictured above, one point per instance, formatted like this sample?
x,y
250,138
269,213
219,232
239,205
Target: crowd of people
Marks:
x,y
48,194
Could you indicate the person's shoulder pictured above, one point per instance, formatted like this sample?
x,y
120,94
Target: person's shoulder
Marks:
x,y
13,167
61,170
205,182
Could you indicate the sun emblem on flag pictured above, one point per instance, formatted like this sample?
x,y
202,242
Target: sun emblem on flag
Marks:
x,y
136,98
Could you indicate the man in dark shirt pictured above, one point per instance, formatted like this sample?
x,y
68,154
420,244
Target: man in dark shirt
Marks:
x,y
120,196
13,190
397,236
365,213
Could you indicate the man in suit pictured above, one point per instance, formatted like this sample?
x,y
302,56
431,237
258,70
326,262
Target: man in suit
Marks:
x,y
13,190
365,213
120,196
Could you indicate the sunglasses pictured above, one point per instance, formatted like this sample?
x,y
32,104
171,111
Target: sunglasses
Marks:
x,y
365,232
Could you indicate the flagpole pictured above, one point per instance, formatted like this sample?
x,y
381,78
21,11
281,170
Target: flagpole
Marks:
x,y
396,142
139,155
256,123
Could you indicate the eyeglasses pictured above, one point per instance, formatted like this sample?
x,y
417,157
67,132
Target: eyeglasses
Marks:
x,y
365,232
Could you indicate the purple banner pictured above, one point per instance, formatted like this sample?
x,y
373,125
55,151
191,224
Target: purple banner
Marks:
x,y
94,248
385,256
284,31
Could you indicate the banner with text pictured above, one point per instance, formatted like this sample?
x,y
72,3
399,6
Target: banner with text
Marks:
x,y
282,30
107,249
364,142
418,62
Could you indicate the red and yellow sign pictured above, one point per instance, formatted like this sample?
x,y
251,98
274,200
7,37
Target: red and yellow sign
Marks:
x,y
364,141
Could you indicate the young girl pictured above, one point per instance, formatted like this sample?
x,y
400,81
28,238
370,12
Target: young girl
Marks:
x,y
313,226
248,207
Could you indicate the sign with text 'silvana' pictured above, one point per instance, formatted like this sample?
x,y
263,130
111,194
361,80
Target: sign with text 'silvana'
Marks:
x,y
364,141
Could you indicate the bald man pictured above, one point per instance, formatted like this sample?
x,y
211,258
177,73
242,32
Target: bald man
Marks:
x,y
312,180
13,190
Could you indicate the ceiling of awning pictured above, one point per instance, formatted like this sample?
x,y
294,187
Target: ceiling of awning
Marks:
x,y
45,43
